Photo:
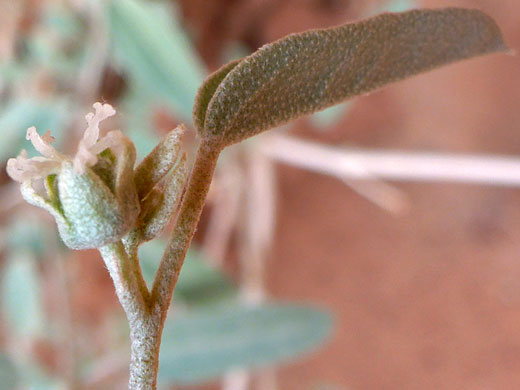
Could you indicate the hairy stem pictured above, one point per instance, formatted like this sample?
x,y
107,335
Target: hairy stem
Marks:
x,y
144,363
146,312
131,245
185,226
125,282
144,327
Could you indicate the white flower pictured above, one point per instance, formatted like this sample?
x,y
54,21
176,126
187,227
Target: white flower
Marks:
x,y
92,195
96,196
22,168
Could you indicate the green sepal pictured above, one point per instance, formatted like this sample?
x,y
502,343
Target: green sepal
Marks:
x,y
97,207
51,186
105,168
125,190
160,205
94,217
158,163
51,205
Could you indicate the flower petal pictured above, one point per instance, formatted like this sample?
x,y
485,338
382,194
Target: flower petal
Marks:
x,y
22,168
103,111
43,143
85,156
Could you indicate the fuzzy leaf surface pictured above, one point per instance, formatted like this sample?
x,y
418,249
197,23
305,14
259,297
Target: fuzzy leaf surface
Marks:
x,y
207,90
158,163
306,72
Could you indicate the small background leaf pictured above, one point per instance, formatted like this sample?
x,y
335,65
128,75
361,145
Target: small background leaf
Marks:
x,y
199,283
307,72
9,377
138,106
155,52
21,295
202,346
331,115
395,6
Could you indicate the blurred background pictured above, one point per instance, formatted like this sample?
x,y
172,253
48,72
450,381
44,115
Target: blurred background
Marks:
x,y
302,275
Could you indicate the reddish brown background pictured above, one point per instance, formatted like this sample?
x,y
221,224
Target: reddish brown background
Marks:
x,y
428,300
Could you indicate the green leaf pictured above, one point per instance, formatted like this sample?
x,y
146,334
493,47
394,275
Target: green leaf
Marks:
x,y
202,346
206,92
9,377
21,295
306,72
155,52
400,5
395,6
202,284
331,115
136,111
199,283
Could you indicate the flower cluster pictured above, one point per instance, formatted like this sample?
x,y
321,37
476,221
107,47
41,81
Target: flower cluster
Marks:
x,y
93,196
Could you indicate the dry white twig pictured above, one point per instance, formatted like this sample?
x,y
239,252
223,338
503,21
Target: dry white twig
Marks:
x,y
380,193
258,220
393,165
225,198
238,379
258,224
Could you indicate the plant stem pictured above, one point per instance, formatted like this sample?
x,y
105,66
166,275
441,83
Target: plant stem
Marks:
x,y
131,245
143,333
144,364
146,312
125,282
185,226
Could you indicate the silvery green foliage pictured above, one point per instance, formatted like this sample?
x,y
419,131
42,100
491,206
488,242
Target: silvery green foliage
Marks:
x,y
21,291
93,196
306,72
8,373
205,344
200,283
